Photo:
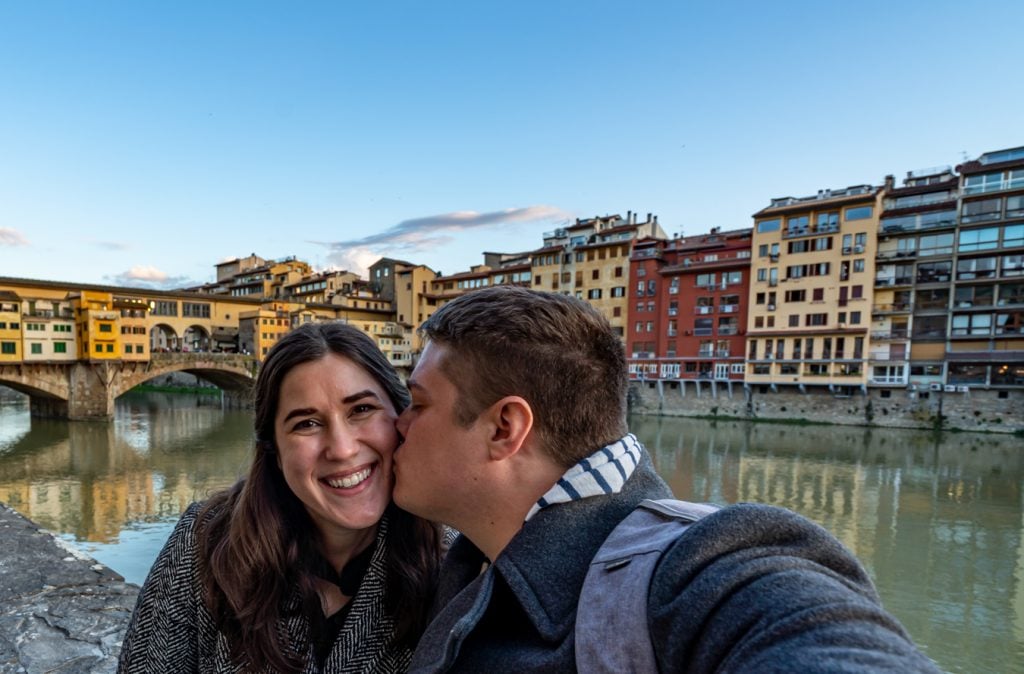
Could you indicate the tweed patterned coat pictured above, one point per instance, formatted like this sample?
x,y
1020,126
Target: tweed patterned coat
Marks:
x,y
171,629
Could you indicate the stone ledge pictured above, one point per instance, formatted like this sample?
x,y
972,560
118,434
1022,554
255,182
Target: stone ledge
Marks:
x,y
60,610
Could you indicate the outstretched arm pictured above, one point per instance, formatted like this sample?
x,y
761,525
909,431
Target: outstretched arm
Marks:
x,y
756,588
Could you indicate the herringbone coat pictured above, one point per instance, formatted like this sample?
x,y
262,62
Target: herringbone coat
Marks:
x,y
171,629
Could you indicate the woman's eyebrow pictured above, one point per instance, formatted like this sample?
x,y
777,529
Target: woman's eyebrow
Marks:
x,y
359,396
301,412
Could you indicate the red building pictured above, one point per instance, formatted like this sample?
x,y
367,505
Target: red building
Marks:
x,y
687,309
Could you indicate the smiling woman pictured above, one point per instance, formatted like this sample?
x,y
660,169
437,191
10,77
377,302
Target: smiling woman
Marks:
x,y
305,565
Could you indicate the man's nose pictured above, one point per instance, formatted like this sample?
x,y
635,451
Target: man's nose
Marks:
x,y
402,424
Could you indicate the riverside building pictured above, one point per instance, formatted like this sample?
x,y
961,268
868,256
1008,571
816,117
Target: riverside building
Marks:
x,y
986,329
688,308
811,296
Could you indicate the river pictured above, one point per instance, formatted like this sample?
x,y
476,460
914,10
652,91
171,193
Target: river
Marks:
x,y
936,519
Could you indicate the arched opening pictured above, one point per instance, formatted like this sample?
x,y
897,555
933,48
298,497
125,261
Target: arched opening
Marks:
x,y
196,339
163,338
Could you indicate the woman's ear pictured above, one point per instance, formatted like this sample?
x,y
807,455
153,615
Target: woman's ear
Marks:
x,y
511,420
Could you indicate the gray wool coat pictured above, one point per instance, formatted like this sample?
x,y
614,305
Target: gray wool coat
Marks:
x,y
171,629
751,588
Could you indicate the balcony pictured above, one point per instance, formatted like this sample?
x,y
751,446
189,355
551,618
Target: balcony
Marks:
x,y
892,281
896,255
887,335
995,186
916,223
893,308
888,381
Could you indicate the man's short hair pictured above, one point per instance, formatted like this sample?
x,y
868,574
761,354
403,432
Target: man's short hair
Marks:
x,y
555,351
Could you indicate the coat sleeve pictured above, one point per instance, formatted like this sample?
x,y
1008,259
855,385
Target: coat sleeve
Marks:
x,y
162,633
755,588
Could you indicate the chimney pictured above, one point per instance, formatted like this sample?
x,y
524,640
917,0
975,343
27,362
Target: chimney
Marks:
x,y
629,217
648,217
890,182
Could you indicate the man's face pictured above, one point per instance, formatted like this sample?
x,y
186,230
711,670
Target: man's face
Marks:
x,y
435,466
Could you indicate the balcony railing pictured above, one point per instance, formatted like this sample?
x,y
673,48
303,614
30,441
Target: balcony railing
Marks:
x,y
892,308
883,281
916,223
889,334
888,381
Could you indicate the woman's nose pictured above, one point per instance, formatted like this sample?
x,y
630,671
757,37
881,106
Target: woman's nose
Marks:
x,y
342,443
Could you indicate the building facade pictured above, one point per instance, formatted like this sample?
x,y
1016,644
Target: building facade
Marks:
x,y
687,307
811,297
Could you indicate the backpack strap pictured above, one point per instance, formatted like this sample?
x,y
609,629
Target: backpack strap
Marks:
x,y
612,634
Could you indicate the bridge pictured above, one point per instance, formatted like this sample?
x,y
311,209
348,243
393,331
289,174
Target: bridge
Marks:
x,y
85,390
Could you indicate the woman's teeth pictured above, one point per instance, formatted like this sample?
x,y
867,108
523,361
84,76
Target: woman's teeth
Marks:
x,y
350,481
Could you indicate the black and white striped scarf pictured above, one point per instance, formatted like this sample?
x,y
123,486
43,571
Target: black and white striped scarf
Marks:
x,y
603,472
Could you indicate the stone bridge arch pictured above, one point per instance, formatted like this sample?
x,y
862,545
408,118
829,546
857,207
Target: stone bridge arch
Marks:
x,y
47,385
232,373
87,390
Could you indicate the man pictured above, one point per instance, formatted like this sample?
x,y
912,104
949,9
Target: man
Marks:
x,y
517,438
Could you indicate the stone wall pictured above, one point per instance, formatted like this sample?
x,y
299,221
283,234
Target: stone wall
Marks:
x,y
975,410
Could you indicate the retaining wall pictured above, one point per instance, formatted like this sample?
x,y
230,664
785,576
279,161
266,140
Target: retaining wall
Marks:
x,y
975,410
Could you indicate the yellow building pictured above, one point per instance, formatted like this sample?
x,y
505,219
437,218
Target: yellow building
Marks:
x,y
134,325
590,259
97,329
10,327
260,329
812,289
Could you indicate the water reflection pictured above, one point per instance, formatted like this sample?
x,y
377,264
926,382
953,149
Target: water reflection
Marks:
x,y
936,519
92,479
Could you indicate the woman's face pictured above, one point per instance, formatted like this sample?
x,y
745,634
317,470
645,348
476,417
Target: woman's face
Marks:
x,y
335,433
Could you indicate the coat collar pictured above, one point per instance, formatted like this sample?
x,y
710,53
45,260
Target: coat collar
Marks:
x,y
545,564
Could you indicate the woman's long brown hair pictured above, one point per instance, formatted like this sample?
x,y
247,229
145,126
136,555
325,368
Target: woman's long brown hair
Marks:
x,y
257,542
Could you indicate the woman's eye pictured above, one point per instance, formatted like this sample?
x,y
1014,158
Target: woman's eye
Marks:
x,y
305,424
363,409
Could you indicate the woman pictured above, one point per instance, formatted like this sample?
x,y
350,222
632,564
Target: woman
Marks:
x,y
305,565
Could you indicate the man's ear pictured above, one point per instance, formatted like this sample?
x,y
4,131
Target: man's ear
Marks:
x,y
511,422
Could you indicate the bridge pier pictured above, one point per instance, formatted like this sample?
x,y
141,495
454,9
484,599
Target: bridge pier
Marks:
x,y
47,408
91,397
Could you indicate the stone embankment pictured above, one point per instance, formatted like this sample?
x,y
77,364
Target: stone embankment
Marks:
x,y
949,408
60,610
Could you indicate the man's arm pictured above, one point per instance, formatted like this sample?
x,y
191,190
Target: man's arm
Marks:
x,y
756,588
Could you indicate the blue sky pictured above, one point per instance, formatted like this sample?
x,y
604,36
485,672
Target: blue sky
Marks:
x,y
141,142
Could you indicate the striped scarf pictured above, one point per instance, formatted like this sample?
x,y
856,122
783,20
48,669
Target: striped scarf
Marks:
x,y
603,472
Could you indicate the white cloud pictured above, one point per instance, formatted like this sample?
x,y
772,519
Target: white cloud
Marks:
x,y
357,260
12,237
141,276
430,232
140,273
